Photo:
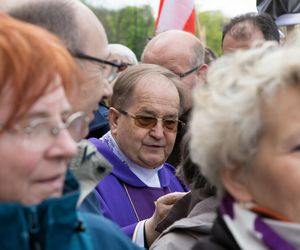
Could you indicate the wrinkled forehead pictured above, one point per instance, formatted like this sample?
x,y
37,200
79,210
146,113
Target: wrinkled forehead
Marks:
x,y
53,97
245,31
156,87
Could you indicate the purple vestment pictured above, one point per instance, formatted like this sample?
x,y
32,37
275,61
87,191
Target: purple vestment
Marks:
x,y
124,198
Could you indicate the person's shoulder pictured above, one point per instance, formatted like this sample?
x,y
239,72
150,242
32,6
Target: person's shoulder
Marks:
x,y
169,172
169,167
106,235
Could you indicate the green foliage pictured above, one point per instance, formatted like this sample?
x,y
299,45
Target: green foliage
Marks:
x,y
213,23
130,26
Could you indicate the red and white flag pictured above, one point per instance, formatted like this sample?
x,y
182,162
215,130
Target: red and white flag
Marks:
x,y
176,14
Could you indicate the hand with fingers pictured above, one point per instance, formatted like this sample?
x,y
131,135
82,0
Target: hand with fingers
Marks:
x,y
162,207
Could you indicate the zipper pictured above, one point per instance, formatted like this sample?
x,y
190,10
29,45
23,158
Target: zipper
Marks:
x,y
34,228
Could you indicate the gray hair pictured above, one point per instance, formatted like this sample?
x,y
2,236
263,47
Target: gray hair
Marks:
x,y
197,54
227,121
57,17
128,79
119,49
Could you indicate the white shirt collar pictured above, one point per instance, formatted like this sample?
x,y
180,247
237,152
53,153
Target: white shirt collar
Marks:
x,y
148,176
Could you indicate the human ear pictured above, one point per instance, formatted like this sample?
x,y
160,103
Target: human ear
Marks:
x,y
113,118
234,183
202,72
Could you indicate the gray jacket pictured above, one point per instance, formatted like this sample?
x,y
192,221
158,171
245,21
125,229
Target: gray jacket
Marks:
x,y
184,233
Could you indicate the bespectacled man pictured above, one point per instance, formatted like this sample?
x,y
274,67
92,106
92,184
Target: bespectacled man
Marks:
x,y
183,54
144,121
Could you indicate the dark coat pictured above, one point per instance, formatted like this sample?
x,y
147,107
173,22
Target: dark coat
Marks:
x,y
100,125
175,156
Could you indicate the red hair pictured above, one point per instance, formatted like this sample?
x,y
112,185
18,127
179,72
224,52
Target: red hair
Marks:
x,y
30,59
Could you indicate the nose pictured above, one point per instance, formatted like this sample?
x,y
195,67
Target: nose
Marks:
x,y
64,145
158,130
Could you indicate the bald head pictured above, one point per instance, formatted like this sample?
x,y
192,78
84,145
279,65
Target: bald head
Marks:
x,y
180,52
81,31
171,45
92,34
122,53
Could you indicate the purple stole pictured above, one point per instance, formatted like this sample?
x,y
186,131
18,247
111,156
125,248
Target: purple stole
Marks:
x,y
124,198
144,210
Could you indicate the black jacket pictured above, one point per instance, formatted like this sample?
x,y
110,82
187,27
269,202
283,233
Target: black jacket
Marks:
x,y
175,156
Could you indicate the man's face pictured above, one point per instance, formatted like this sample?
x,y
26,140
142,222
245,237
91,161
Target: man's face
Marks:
x,y
181,66
179,62
95,85
118,59
231,44
154,96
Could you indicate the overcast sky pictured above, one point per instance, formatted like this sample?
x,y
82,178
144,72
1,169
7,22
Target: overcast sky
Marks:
x,y
228,7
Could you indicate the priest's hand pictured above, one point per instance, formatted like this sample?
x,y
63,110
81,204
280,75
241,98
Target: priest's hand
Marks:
x,y
162,207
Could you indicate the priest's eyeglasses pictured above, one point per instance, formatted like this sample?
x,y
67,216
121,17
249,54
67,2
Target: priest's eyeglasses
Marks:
x,y
149,122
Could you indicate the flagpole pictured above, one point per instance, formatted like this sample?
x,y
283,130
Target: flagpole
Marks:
x,y
198,27
197,23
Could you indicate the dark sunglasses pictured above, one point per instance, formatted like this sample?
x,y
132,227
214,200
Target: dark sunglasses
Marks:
x,y
148,122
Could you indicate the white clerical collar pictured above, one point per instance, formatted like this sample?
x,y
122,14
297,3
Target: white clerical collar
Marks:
x,y
148,176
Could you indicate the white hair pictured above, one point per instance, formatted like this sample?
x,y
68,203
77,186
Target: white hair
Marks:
x,y
121,50
227,119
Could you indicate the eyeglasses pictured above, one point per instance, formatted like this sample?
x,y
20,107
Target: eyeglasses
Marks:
x,y
188,72
112,71
42,129
148,122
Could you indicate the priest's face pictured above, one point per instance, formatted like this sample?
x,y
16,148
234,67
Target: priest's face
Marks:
x,y
146,141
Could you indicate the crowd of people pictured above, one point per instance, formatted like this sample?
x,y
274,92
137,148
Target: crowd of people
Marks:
x,y
182,150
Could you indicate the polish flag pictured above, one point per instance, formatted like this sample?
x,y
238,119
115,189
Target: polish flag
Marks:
x,y
176,14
